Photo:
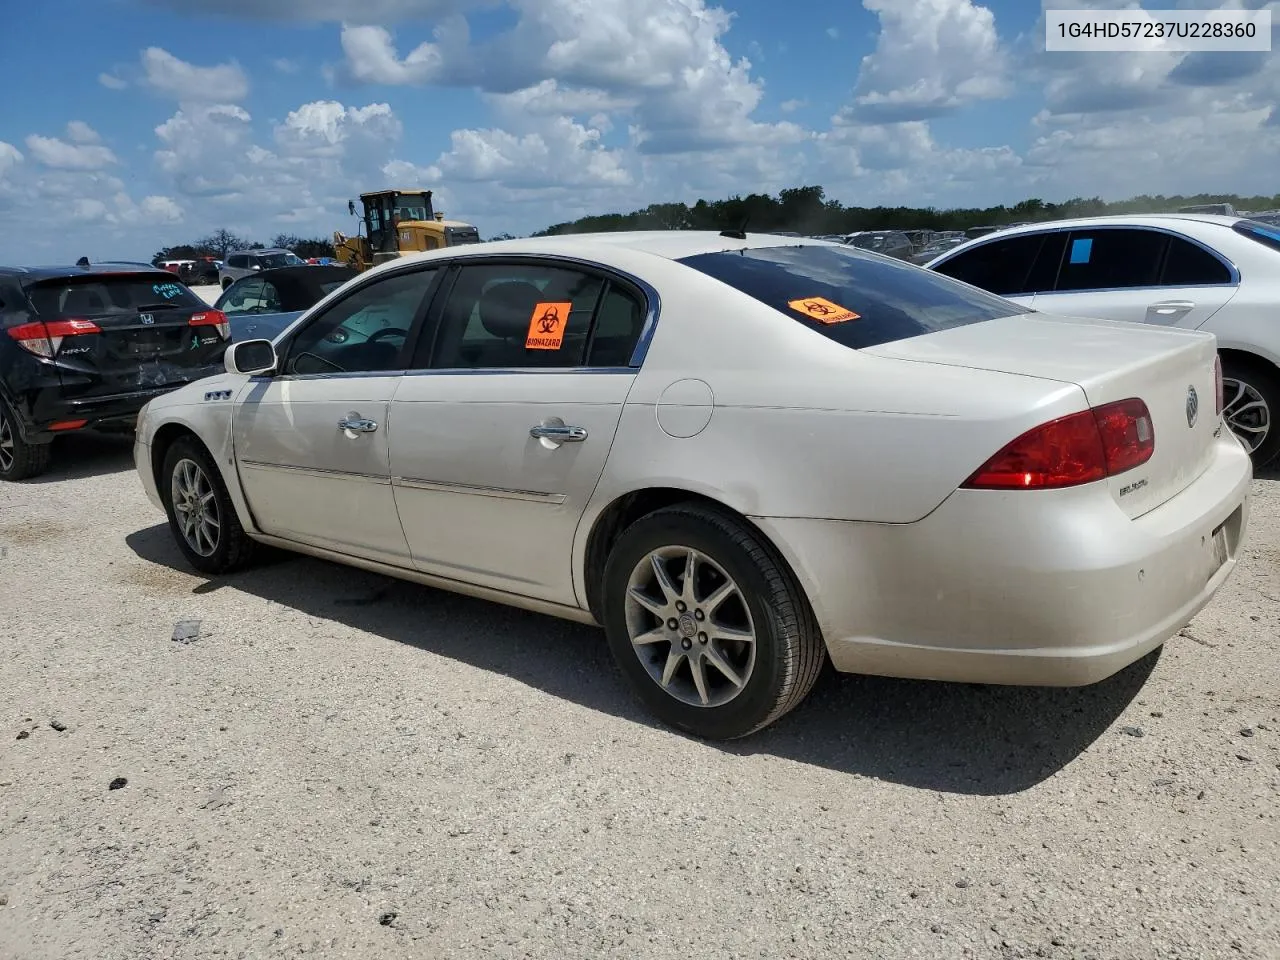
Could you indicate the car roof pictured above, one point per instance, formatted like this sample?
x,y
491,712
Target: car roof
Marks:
x,y
1117,219
668,244
257,252
56,272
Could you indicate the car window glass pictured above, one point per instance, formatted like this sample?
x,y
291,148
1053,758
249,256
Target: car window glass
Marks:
x,y
244,296
1189,264
619,323
851,297
363,332
1001,266
505,315
1109,259
236,262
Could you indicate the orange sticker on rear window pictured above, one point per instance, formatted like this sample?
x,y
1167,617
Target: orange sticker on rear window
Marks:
x,y
823,311
546,326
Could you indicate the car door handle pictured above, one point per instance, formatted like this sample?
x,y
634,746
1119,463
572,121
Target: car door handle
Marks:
x,y
558,433
357,424
1167,308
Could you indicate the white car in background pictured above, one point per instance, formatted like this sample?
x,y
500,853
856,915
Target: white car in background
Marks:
x,y
1220,274
742,455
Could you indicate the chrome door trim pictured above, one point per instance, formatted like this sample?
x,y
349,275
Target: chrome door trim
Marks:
x,y
1222,258
316,472
502,493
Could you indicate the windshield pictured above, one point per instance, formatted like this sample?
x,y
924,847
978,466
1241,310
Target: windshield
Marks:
x,y
411,206
104,295
270,261
856,300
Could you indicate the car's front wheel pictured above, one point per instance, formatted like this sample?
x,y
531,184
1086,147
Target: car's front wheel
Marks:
x,y
201,515
1250,403
709,627
19,459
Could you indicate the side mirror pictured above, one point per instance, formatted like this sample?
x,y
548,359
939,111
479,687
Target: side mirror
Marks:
x,y
256,266
250,357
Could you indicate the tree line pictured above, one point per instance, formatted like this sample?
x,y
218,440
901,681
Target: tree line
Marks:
x,y
806,210
218,243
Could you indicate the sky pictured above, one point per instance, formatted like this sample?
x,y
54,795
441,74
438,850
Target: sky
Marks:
x,y
129,125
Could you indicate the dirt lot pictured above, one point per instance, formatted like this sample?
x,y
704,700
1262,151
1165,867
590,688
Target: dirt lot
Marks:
x,y
343,765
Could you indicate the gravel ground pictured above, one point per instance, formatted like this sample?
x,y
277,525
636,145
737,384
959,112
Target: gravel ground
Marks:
x,y
341,765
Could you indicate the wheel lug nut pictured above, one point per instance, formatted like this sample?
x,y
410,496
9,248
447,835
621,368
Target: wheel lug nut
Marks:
x,y
686,643
702,638
672,623
680,606
699,614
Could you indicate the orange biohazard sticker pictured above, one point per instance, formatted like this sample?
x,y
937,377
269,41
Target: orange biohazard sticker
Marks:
x,y
823,311
546,326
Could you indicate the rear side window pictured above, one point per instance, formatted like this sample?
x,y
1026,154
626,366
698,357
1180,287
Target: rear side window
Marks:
x,y
852,298
1265,233
1188,264
1108,259
103,295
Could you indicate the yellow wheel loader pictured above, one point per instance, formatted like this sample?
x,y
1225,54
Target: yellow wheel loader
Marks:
x,y
397,222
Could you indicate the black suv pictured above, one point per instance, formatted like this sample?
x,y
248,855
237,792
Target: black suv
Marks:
x,y
85,347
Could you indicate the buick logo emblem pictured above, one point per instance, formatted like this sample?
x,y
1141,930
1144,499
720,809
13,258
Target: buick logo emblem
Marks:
x,y
1193,406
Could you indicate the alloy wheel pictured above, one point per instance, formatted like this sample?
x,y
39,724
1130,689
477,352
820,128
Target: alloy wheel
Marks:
x,y
690,626
195,506
1246,412
7,452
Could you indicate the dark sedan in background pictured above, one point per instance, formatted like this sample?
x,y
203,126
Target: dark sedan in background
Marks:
x,y
85,346
261,306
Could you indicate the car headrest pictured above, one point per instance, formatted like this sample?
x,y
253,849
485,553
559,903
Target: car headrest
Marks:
x,y
506,308
83,301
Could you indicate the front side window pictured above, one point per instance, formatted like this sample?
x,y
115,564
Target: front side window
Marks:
x,y
364,332
852,298
1109,259
501,316
1009,266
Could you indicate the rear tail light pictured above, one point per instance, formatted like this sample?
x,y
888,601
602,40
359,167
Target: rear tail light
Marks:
x,y
1217,385
212,318
1080,448
44,339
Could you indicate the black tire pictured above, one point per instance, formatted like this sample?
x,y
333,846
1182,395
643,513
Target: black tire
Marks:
x,y
789,650
19,460
1263,379
226,283
234,549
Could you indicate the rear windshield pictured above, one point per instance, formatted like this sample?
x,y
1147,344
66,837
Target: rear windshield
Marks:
x,y
1265,233
105,295
856,299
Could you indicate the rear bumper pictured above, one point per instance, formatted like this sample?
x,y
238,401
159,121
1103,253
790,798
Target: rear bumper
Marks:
x,y
115,411
1052,588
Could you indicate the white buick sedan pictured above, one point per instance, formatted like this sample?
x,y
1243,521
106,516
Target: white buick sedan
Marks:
x,y
741,455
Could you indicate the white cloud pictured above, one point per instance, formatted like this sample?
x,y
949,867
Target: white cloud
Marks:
x,y
187,83
932,57
371,58
791,106
833,33
563,153
112,82
80,132
10,157
52,152
285,65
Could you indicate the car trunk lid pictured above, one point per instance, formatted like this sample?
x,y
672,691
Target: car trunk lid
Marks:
x,y
1171,371
113,334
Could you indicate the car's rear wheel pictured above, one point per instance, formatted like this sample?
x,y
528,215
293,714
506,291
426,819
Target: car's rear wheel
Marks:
x,y
707,624
1250,404
201,515
19,459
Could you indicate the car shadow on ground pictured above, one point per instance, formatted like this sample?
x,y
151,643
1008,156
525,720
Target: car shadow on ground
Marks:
x,y
82,456
956,738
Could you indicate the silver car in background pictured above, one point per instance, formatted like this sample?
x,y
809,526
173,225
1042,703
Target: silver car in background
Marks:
x,y
244,263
